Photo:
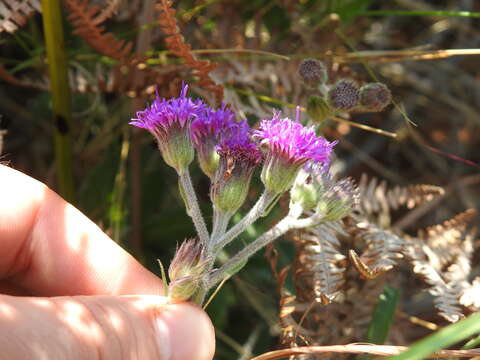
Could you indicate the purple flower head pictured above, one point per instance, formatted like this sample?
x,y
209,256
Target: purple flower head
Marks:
x,y
163,114
169,120
238,145
293,142
208,129
211,124
289,145
239,156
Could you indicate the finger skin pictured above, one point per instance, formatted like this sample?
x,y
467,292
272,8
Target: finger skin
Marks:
x,y
103,327
49,248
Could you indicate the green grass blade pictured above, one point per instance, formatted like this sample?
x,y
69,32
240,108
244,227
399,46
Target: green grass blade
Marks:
x,y
382,318
475,342
446,337
442,13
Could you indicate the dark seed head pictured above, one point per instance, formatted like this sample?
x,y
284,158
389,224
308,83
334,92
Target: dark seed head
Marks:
x,y
313,72
344,95
375,96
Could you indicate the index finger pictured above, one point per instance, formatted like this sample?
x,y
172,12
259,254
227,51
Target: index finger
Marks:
x,y
50,248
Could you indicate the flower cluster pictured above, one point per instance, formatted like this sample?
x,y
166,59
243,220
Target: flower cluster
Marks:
x,y
228,151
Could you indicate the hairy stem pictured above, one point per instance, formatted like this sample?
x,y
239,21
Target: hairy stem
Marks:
x,y
193,209
242,256
291,221
257,211
220,223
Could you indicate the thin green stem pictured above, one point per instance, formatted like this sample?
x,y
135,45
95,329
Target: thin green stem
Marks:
x,y
61,101
442,13
193,209
255,212
220,223
237,261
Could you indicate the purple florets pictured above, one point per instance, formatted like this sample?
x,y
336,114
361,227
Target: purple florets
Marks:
x,y
162,114
292,141
289,145
239,156
169,121
238,144
213,127
211,124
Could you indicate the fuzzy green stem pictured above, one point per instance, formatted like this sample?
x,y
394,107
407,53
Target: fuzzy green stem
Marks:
x,y
289,222
61,101
193,209
256,212
220,224
242,256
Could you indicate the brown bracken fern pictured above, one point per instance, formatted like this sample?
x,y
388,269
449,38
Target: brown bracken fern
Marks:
x,y
176,44
87,22
14,13
329,290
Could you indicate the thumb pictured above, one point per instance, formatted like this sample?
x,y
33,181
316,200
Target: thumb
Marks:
x,y
103,327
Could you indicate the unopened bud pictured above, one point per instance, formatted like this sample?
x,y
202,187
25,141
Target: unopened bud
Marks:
x,y
318,109
344,95
304,190
375,96
189,260
184,288
313,72
338,199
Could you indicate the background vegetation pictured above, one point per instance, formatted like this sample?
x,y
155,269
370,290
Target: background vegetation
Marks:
x,y
117,52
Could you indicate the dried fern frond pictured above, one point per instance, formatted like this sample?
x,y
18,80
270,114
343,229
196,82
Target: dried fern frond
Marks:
x,y
176,44
124,78
86,20
444,240
14,13
383,249
470,296
320,267
377,199
449,243
108,9
446,296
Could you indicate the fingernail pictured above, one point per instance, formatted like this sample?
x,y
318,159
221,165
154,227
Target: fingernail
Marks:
x,y
184,332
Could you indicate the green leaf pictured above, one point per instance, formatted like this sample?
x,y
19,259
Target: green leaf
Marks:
x,y
383,316
450,335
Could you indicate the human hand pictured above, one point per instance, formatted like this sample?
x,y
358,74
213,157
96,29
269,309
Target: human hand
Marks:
x,y
64,288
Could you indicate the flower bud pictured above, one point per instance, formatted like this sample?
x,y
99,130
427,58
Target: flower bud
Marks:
x,y
189,260
184,288
239,156
375,96
304,190
318,109
313,72
338,198
343,95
